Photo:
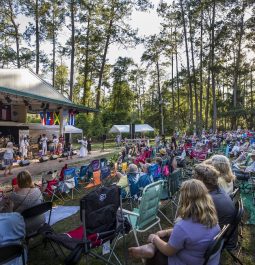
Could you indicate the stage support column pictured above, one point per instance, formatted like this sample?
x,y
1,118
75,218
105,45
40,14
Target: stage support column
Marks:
x,y
61,125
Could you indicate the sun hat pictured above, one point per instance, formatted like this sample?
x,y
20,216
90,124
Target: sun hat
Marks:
x,y
162,151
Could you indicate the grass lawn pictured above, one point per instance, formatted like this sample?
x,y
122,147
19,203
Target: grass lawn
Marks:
x,y
43,256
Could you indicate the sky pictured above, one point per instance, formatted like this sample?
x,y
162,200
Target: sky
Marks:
x,y
148,23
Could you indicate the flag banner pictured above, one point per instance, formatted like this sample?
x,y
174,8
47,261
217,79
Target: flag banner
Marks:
x,y
56,118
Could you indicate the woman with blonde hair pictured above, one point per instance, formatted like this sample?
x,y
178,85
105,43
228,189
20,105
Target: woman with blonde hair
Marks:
x,y
226,178
190,237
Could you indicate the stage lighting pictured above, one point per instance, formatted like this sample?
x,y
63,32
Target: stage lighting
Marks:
x,y
42,105
26,102
8,99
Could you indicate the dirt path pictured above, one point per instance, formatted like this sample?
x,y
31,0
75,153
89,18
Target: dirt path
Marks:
x,y
36,168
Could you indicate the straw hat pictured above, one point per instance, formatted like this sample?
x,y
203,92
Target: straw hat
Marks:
x,y
162,151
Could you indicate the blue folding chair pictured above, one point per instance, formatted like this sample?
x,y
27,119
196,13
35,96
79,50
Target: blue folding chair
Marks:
x,y
105,172
155,171
83,171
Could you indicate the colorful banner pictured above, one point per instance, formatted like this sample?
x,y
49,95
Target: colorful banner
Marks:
x,y
71,117
56,118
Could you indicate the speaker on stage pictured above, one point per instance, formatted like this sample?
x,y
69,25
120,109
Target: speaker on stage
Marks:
x,y
43,159
53,157
132,131
24,163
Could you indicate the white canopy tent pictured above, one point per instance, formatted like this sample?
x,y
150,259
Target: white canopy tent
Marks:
x,y
126,128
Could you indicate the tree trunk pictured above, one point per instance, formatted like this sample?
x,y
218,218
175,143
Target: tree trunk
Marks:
x,y
251,97
16,29
188,67
201,72
194,74
213,71
72,8
177,83
160,101
86,66
37,41
236,91
54,47
101,72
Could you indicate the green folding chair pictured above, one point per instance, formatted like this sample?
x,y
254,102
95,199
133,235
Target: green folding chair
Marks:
x,y
145,217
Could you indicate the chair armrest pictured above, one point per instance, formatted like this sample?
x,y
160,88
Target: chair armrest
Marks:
x,y
129,212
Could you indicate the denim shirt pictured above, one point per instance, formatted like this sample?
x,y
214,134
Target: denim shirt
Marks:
x,y
12,230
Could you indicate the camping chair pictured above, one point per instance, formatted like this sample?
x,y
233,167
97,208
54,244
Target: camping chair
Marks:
x,y
10,252
103,162
83,172
173,182
216,245
102,224
95,181
155,171
50,186
145,217
35,211
70,181
231,238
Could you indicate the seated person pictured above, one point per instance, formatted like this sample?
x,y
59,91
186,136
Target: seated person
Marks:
x,y
12,230
236,149
251,167
134,180
224,205
242,169
190,236
226,178
27,196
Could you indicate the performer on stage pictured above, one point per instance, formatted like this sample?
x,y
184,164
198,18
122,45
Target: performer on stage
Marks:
x,y
55,143
44,141
23,148
83,149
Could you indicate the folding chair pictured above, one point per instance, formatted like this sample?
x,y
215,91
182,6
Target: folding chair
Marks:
x,y
70,181
145,217
35,211
50,186
155,171
101,223
10,252
83,171
173,182
216,246
231,238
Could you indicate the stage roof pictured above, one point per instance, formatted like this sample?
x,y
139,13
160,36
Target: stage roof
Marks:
x,y
30,86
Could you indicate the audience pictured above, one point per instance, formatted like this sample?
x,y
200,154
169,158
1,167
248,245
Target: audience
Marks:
x,y
224,205
226,178
191,235
12,231
26,196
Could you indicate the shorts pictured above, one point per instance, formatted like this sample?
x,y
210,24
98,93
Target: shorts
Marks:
x,y
8,162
